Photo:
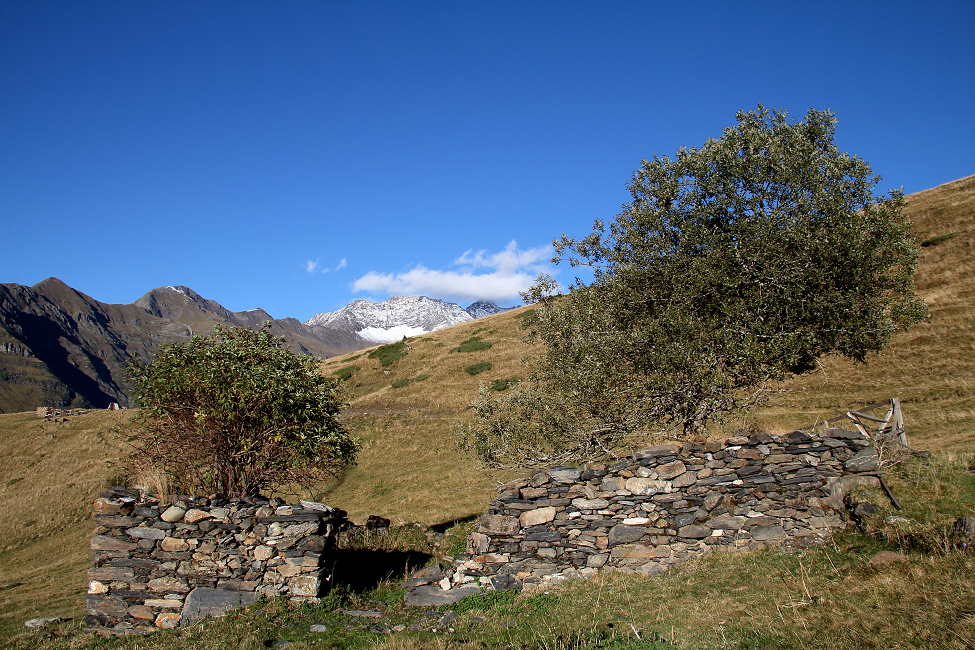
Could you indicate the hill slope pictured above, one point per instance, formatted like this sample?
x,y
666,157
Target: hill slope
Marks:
x,y
409,469
409,461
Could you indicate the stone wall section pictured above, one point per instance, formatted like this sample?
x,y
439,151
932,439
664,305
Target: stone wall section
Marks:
x,y
156,565
668,504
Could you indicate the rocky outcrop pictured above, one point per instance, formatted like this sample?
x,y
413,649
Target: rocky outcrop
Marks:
x,y
483,308
157,565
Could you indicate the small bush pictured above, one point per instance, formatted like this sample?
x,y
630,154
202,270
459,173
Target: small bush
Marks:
x,y
233,412
345,373
389,354
473,344
478,368
504,384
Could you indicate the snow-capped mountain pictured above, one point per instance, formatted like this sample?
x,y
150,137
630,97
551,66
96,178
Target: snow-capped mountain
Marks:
x,y
392,319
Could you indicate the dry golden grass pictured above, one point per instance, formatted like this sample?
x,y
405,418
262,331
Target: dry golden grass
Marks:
x,y
409,468
50,473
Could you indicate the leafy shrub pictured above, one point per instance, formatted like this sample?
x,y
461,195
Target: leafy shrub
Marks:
x,y
478,368
473,344
736,265
233,412
345,373
390,353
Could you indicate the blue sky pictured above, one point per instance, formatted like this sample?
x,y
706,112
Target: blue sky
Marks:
x,y
296,156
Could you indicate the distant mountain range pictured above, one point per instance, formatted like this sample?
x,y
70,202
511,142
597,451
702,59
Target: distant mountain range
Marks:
x,y
59,347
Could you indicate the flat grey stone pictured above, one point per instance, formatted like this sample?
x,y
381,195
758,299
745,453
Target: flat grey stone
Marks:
x,y
671,470
203,602
865,460
504,582
727,522
498,525
965,526
433,595
657,451
767,533
623,534
426,575
109,543
565,474
694,532
146,533
106,605
685,519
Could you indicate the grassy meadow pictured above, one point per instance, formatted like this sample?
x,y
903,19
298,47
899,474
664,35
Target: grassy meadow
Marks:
x,y
409,470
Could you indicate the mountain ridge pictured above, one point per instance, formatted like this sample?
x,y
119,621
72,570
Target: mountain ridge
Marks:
x,y
60,347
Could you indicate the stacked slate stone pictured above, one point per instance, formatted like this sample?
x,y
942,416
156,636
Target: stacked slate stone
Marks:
x,y
668,504
155,565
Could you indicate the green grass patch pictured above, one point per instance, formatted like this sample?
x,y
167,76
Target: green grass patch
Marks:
x,y
482,602
345,373
478,368
504,384
389,354
379,490
402,383
473,344
934,241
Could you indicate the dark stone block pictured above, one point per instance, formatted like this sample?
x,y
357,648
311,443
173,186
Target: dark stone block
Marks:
x,y
694,532
685,519
203,602
623,534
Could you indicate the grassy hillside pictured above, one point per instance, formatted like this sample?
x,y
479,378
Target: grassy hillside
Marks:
x,y
409,470
50,473
409,463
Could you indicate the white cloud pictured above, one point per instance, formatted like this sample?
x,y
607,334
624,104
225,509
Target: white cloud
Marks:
x,y
311,266
498,277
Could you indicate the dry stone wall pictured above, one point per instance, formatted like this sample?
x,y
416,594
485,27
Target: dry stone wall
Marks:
x,y
156,565
665,505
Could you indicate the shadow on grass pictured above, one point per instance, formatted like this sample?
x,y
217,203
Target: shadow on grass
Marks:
x,y
447,525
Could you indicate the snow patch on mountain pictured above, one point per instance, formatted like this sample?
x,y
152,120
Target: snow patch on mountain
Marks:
x,y
391,335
